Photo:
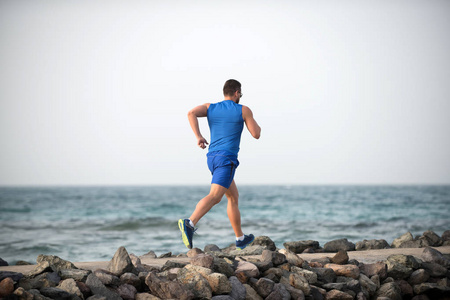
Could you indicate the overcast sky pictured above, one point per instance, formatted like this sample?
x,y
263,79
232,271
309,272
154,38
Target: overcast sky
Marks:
x,y
346,92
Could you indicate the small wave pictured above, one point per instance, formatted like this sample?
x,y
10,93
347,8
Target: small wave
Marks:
x,y
130,225
16,210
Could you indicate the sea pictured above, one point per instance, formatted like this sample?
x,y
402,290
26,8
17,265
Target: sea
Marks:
x,y
90,223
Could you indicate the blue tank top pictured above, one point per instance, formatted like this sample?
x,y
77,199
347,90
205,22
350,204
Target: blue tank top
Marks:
x,y
225,123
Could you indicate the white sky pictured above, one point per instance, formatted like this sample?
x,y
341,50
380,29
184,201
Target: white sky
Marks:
x,y
346,92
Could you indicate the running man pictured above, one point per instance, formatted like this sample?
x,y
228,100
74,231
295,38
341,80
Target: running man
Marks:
x,y
226,120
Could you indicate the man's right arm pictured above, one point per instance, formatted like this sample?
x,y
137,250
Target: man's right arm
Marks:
x,y
198,112
250,122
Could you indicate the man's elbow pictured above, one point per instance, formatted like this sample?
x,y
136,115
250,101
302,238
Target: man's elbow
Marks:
x,y
257,134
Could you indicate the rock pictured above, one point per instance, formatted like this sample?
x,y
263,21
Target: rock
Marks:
x,y
433,239
379,268
238,291
97,297
3,263
150,254
368,286
84,289
130,278
446,235
219,283
6,287
340,244
40,281
13,275
406,289
407,237
321,261
266,242
221,266
273,256
371,244
297,294
127,291
340,258
420,243
310,276
344,270
203,260
354,285
401,266
41,267
98,288
222,297
338,295
431,288
55,293
194,252
324,275
194,281
23,263
167,289
251,294
146,296
107,278
165,255
298,282
120,263
264,287
75,274
55,262
170,264
334,286
70,286
292,258
435,270
419,276
421,297
211,248
250,250
247,268
22,294
433,256
300,246
390,290
279,292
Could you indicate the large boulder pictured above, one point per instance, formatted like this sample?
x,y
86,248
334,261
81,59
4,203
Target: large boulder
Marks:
x,y
340,244
194,281
166,289
56,263
300,246
407,237
371,244
120,263
431,255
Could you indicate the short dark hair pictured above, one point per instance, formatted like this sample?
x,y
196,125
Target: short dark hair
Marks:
x,y
231,86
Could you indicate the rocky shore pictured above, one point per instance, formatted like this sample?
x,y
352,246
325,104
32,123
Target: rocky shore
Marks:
x,y
261,271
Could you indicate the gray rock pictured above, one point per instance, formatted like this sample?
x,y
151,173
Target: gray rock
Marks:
x,y
120,263
274,257
433,239
279,293
390,290
431,288
371,244
130,278
98,288
195,282
238,291
70,286
75,274
297,294
340,244
264,287
97,297
310,276
251,293
194,252
435,270
419,276
222,266
407,237
379,268
334,286
297,281
249,269
446,235
127,291
55,293
211,248
433,256
396,270
107,278
13,275
170,264
292,258
324,275
219,283
165,289
41,267
368,287
37,295
165,255
406,289
300,246
266,242
55,262
3,263
203,260
354,285
40,281
250,250
222,297
150,254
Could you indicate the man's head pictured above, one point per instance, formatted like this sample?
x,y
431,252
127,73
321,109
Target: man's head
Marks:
x,y
232,89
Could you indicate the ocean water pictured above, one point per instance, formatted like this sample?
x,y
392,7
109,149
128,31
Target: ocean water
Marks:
x,y
90,223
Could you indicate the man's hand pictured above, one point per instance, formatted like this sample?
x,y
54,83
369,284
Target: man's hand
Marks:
x,y
201,142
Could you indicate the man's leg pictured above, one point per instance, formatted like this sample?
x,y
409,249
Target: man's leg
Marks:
x,y
233,209
203,206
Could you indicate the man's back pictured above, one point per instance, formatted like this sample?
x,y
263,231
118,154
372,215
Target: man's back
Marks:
x,y
226,124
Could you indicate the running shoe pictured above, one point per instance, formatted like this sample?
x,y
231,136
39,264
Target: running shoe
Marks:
x,y
187,231
248,239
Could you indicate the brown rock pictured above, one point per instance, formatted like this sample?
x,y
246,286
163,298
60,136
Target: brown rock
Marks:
x,y
292,258
379,268
6,287
23,295
194,252
219,283
146,296
251,293
127,291
167,289
338,295
248,268
70,286
203,260
194,281
406,289
389,290
407,237
120,263
418,277
344,270
264,286
340,258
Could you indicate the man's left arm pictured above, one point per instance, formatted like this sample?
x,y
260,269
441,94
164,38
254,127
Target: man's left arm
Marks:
x,y
193,115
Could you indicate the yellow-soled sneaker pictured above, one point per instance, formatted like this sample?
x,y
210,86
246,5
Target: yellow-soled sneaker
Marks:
x,y
187,231
248,239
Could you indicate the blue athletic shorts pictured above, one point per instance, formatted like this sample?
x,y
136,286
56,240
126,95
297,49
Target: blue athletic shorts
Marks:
x,y
222,165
